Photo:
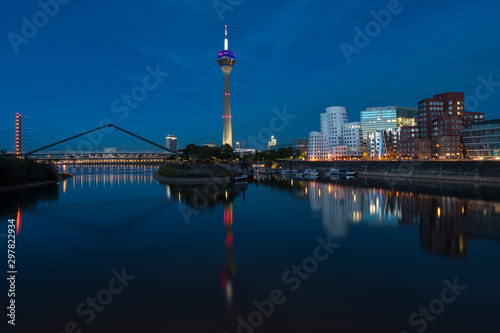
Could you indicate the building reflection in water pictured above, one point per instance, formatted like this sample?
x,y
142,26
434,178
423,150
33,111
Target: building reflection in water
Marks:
x,y
14,203
206,197
446,222
228,271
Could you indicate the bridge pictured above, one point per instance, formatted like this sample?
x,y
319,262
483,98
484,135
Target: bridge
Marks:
x,y
89,151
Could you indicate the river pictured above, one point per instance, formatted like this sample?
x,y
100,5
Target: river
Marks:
x,y
113,250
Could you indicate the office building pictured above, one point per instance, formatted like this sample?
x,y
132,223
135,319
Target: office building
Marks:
x,y
171,142
382,118
272,143
352,135
295,144
383,144
441,118
482,140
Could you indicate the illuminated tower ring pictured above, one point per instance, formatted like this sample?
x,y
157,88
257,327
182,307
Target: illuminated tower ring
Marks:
x,y
226,61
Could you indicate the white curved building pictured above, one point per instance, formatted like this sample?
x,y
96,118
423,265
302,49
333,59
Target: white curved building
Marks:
x,y
316,146
335,132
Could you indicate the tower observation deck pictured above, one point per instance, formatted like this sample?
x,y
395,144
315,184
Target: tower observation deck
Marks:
x,y
226,61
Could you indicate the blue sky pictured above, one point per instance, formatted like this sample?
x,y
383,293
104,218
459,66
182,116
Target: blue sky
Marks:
x,y
89,53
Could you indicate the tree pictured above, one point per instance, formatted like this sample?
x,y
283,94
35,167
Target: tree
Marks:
x,y
298,153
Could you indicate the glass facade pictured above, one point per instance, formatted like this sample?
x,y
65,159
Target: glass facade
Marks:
x,y
482,140
383,118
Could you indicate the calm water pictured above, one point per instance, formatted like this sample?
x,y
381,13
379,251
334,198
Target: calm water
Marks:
x,y
345,256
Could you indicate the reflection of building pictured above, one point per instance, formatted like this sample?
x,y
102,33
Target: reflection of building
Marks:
x,y
198,198
445,221
381,118
339,206
482,140
228,273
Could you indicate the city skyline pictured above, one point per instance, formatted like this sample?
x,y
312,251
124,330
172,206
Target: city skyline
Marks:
x,y
73,68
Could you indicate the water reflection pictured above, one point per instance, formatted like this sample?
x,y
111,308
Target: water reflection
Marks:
x,y
14,203
446,222
208,197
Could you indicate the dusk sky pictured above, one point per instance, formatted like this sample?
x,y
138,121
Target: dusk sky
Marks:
x,y
69,73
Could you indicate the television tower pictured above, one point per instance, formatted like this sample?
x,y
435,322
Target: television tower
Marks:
x,y
226,62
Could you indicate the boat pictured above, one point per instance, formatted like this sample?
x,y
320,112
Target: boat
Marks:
x,y
311,173
298,174
285,172
340,172
240,178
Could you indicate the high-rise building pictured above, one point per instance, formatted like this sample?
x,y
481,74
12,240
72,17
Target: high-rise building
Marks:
x,y
352,135
226,61
482,140
335,132
386,117
383,143
171,142
271,143
238,144
441,118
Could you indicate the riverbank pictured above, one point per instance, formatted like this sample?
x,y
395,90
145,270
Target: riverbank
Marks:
x,y
191,181
61,177
192,174
461,171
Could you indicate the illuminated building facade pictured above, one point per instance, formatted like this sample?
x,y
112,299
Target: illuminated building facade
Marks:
x,y
382,118
482,140
335,132
272,143
440,119
226,61
171,142
383,144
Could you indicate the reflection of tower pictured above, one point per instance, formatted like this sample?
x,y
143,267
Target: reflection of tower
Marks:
x,y
19,219
229,270
226,62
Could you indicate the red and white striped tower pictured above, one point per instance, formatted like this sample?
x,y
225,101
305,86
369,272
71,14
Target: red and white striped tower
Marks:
x,y
18,134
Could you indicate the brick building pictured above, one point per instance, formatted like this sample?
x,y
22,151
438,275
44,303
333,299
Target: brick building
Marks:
x,y
439,122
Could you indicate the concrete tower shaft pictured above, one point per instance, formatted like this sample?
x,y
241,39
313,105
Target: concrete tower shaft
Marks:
x,y
226,61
